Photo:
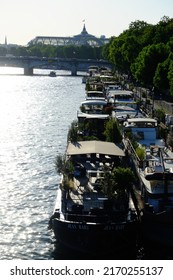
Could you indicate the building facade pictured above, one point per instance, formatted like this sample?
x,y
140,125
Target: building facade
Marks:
x,y
84,38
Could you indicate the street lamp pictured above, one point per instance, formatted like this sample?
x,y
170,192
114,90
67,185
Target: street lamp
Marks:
x,y
152,109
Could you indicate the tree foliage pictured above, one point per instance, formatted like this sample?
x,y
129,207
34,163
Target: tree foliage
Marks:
x,y
80,52
145,65
112,131
72,135
160,79
64,166
170,77
118,183
144,51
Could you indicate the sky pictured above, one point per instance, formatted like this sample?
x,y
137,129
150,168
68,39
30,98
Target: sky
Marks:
x,y
23,20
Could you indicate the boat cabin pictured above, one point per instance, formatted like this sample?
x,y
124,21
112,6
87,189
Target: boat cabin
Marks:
x,y
93,70
95,94
119,96
129,104
93,106
92,124
144,130
141,122
113,87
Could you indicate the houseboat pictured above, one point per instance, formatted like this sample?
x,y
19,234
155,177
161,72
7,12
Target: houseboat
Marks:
x,y
153,163
86,218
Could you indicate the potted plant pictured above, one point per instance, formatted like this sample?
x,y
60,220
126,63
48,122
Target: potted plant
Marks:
x,y
140,151
117,184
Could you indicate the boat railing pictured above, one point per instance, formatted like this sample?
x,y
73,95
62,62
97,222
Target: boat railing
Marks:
x,y
132,152
95,210
96,216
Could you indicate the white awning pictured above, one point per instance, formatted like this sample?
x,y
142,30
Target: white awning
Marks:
x,y
94,102
145,120
94,147
93,116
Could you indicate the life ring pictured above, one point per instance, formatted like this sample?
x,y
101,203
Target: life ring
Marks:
x,y
125,123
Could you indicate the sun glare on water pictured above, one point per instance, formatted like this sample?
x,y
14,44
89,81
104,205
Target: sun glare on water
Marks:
x,y
11,105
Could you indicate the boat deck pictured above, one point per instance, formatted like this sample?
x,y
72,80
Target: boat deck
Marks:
x,y
84,194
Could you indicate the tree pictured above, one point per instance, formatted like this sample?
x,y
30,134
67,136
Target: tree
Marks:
x,y
106,49
170,77
124,49
108,184
163,30
64,166
160,79
112,131
73,132
137,27
118,183
141,51
3,51
115,54
144,67
124,177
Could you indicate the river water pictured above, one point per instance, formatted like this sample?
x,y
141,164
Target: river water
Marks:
x,y
35,114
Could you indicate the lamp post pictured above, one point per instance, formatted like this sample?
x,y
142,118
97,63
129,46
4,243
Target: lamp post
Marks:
x,y
152,109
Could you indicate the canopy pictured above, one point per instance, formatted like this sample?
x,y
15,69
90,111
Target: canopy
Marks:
x,y
93,116
94,147
136,120
94,102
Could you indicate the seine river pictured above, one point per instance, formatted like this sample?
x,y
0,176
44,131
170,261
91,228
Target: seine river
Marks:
x,y
35,114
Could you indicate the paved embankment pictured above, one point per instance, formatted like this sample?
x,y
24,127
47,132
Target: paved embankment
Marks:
x,y
154,103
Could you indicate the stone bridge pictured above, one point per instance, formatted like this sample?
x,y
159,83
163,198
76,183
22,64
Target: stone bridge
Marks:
x,y
70,64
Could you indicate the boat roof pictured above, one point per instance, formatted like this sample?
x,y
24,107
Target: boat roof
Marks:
x,y
94,102
125,102
95,98
115,85
142,120
107,76
121,92
94,91
94,147
125,108
93,116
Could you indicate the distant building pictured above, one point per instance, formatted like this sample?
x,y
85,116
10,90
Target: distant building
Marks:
x,y
6,45
84,38
6,41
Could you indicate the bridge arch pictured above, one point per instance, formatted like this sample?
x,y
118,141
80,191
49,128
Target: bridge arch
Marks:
x,y
31,63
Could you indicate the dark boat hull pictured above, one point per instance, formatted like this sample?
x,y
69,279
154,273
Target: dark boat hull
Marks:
x,y
90,238
157,229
